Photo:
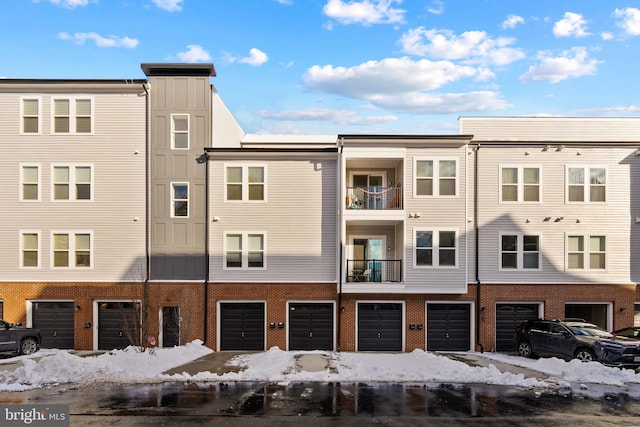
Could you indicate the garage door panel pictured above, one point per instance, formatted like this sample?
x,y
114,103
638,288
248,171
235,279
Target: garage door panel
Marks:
x,y
379,327
311,326
508,316
55,320
118,325
448,327
242,326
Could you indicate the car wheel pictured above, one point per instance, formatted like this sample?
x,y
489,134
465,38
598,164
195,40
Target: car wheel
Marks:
x,y
524,349
28,346
585,355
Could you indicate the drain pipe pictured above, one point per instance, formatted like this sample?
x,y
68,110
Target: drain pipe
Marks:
x,y
477,254
207,232
340,241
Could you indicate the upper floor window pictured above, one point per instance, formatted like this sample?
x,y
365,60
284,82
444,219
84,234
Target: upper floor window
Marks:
x,y
30,250
31,115
586,252
71,250
245,183
586,184
244,250
30,182
180,131
435,248
436,177
518,251
520,184
180,199
72,182
72,115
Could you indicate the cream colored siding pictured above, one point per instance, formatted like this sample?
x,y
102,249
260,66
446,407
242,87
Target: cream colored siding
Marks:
x,y
299,219
115,216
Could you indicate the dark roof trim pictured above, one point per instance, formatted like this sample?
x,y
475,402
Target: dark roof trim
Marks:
x,y
73,81
270,150
178,69
405,137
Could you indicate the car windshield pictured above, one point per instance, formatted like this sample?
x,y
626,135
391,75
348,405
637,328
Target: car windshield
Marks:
x,y
590,330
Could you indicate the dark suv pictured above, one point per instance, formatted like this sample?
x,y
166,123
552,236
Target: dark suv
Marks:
x,y
576,339
18,340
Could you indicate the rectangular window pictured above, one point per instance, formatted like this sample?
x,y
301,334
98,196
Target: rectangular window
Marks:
x,y
180,131
519,252
72,115
586,252
180,199
245,183
31,115
436,177
581,189
30,186
435,248
520,184
71,250
30,245
72,182
245,250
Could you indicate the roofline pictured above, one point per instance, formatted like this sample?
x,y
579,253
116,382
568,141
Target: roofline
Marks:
x,y
67,81
178,69
270,150
400,136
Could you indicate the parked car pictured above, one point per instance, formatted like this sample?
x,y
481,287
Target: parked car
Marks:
x,y
576,339
18,340
632,332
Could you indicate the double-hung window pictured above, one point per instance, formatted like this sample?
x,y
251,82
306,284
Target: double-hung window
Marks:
x,y
72,115
586,252
180,131
30,115
586,184
520,184
30,249
245,183
179,199
519,251
436,177
435,248
71,250
245,251
30,183
72,182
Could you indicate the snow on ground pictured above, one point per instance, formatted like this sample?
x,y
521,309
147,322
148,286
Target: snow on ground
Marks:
x,y
130,366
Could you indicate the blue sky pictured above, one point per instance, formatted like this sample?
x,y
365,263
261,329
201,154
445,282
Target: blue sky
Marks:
x,y
340,66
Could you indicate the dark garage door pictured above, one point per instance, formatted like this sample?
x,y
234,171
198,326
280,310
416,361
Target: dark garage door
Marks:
x,y
448,327
55,321
508,316
310,326
242,326
118,325
379,326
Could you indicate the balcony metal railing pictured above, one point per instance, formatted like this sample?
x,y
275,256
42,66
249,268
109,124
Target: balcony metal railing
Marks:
x,y
374,270
375,198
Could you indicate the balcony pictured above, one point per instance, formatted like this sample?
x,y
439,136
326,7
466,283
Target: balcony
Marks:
x,y
374,198
374,270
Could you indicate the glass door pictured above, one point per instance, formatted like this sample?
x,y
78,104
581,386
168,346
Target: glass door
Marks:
x,y
368,256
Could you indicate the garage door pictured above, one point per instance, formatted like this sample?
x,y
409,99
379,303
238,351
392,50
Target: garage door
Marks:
x,y
310,326
242,326
118,325
55,321
448,327
379,327
508,316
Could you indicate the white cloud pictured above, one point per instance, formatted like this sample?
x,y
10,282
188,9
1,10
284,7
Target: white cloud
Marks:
x,y
256,57
573,24
364,12
100,41
194,53
341,117
285,2
436,8
169,5
571,64
512,21
629,20
472,46
630,109
606,35
70,4
442,103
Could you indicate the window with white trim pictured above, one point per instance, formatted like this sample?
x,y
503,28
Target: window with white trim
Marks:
x,y
435,248
586,252
30,183
436,177
520,184
30,115
179,199
245,183
519,251
72,115
71,250
180,131
30,249
586,184
72,182
245,251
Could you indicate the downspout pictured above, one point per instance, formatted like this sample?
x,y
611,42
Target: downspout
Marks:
x,y
147,174
340,251
477,254
207,221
